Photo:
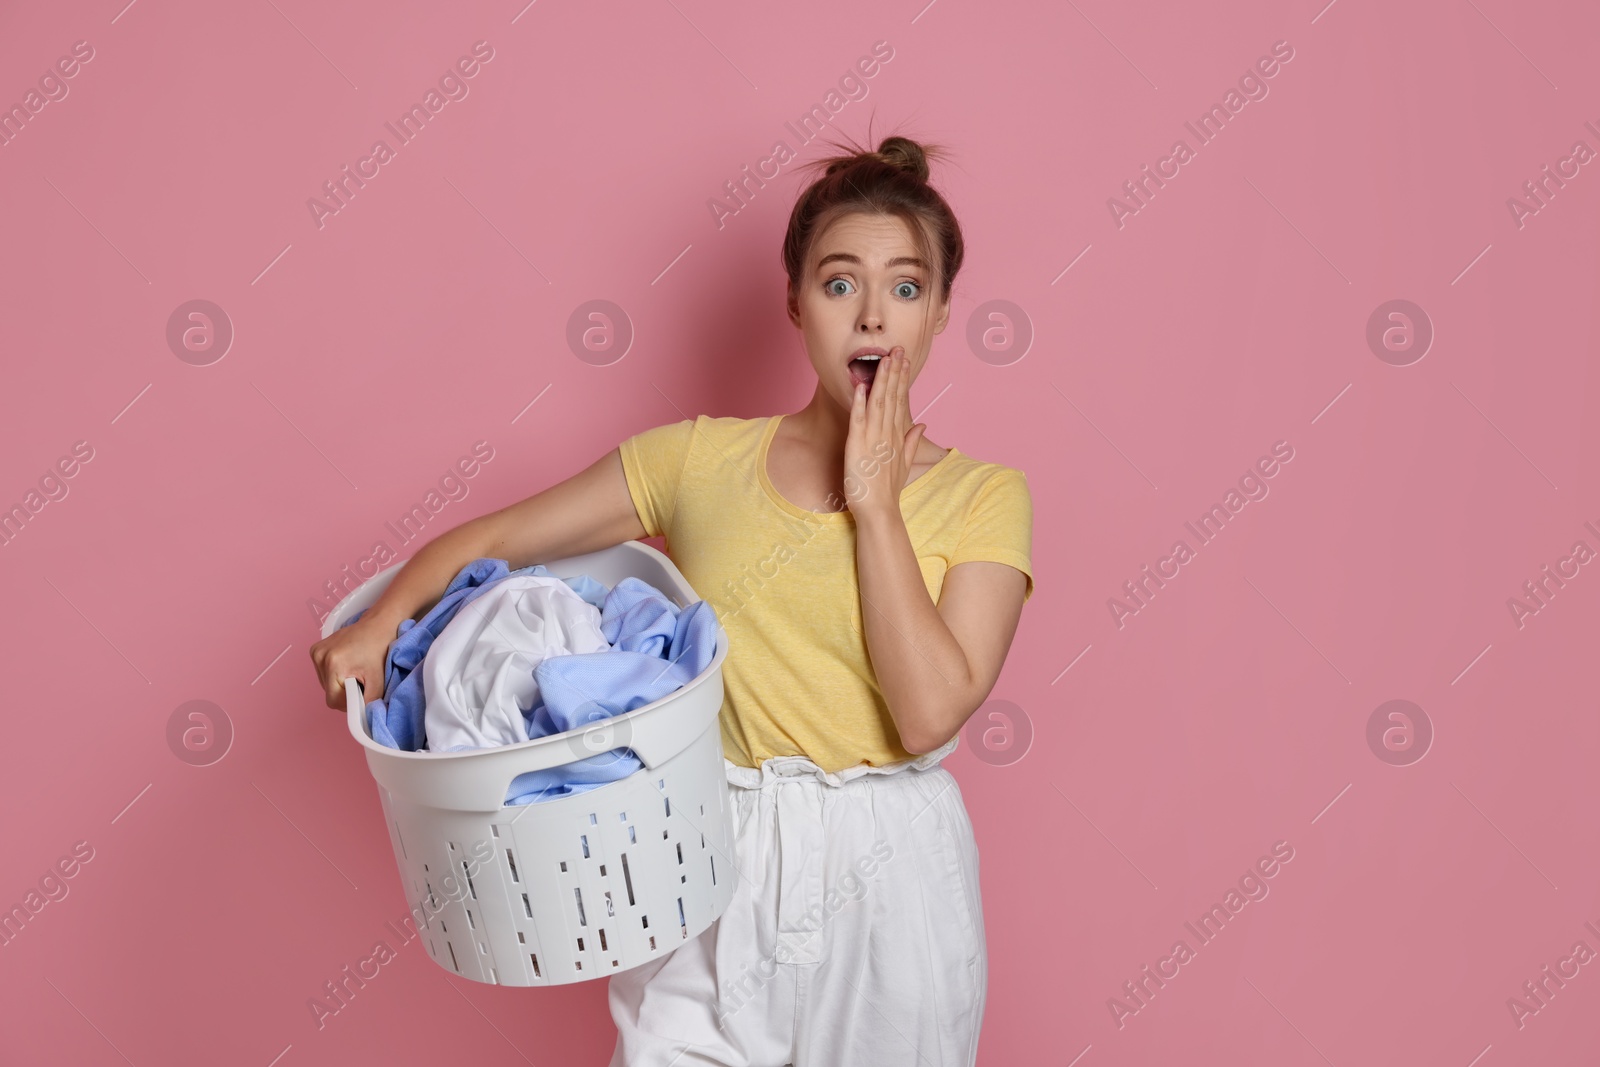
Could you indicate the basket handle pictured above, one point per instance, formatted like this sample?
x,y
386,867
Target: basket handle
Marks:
x,y
534,760
478,780
355,704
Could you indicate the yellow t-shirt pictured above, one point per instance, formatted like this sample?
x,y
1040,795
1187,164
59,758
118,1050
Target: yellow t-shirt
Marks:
x,y
783,581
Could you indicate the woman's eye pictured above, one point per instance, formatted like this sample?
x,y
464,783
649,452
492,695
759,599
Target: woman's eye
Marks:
x,y
836,281
914,287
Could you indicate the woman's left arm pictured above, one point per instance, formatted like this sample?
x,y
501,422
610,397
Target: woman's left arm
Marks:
x,y
935,663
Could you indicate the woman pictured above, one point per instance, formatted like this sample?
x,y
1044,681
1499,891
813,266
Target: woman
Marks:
x,y
870,583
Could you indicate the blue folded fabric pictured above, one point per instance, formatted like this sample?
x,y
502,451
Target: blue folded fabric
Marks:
x,y
656,649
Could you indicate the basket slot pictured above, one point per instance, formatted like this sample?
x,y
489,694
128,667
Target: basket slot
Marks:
x,y
470,887
453,962
534,956
512,860
582,920
603,946
472,924
680,853
400,839
611,912
526,906
682,922
628,877
713,870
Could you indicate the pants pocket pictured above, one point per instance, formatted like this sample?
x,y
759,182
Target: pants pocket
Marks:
x,y
961,860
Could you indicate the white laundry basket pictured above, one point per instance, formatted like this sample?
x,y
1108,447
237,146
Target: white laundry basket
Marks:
x,y
577,887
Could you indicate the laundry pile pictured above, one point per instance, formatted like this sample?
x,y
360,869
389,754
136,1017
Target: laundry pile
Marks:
x,y
508,656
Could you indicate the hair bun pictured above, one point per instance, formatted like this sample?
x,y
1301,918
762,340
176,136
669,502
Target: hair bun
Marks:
x,y
901,153
904,153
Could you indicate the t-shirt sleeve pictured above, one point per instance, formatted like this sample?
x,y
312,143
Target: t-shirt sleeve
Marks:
x,y
652,463
999,528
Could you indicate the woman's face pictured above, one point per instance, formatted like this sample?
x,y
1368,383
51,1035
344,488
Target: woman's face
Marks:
x,y
865,286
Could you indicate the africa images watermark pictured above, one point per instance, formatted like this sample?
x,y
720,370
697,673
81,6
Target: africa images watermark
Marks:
x,y
1537,994
409,526
452,84
1252,86
1539,191
1252,886
53,88
52,888
738,594
1537,592
340,990
851,88
1205,528
850,887
52,487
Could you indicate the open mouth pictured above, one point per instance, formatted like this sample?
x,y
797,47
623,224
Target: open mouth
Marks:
x,y
863,369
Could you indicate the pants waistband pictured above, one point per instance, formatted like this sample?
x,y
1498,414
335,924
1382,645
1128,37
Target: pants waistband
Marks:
x,y
779,767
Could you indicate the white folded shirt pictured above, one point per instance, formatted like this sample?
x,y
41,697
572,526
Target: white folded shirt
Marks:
x,y
477,676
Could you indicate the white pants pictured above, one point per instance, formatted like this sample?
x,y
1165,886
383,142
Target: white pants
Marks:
x,y
854,937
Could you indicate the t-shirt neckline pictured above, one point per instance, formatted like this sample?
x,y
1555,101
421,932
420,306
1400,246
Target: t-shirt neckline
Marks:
x,y
845,515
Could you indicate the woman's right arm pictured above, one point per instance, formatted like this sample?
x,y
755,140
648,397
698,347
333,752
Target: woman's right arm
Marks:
x,y
587,512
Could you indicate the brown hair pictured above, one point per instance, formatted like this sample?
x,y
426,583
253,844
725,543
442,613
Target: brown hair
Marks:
x,y
891,181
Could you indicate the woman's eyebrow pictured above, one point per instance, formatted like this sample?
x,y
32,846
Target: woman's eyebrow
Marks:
x,y
847,257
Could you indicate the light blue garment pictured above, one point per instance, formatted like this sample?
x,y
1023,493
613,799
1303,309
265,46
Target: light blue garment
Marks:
x,y
587,588
655,650
396,720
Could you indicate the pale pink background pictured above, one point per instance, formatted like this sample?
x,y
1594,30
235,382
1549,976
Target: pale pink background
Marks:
x,y
1227,315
